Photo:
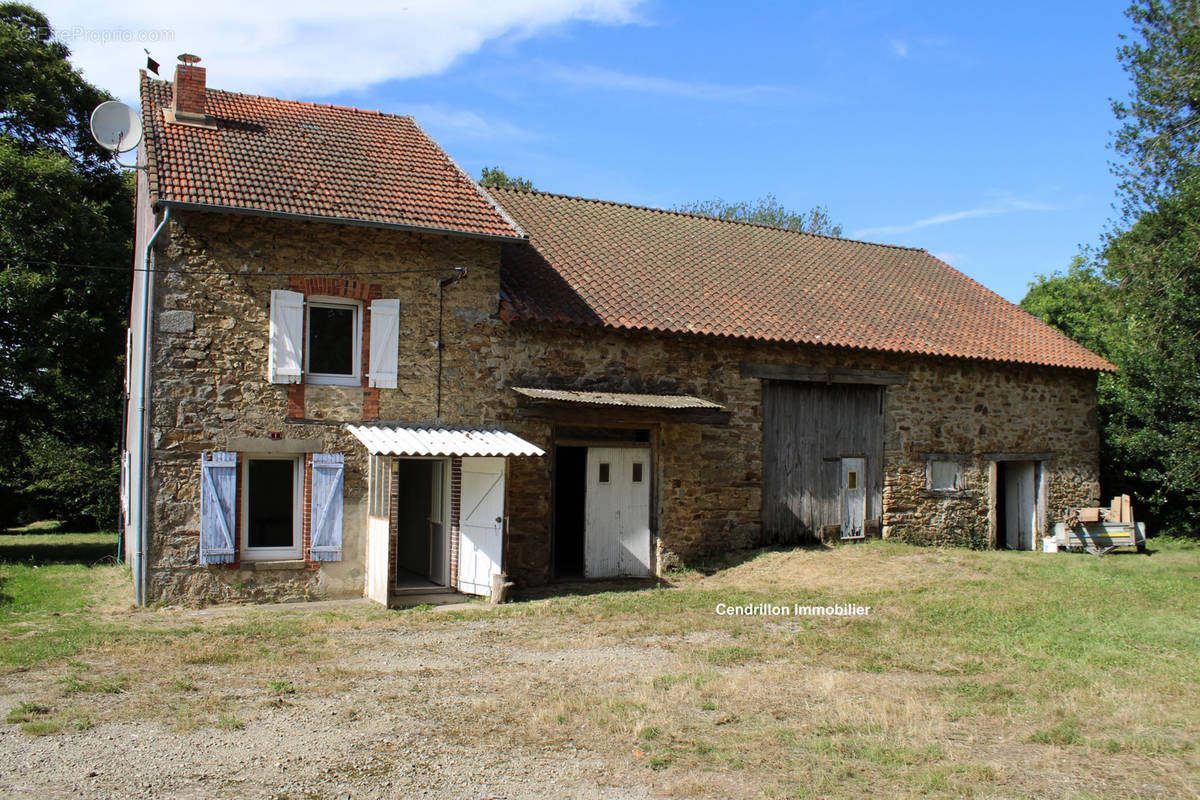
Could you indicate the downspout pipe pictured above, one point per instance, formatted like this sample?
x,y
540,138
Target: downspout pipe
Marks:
x,y
442,284
143,400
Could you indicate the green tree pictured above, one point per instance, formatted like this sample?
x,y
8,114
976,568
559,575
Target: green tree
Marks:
x,y
494,176
767,210
1151,411
1142,308
65,250
1160,133
1082,303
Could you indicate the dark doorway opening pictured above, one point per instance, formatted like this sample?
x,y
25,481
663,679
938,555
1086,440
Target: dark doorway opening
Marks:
x,y
570,474
415,548
1017,504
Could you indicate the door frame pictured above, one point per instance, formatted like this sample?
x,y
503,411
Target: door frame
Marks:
x,y
996,491
394,520
655,431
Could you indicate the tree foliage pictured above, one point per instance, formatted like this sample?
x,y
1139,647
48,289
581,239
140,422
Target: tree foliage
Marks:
x,y
1160,131
64,211
1139,304
1151,411
494,176
767,210
1082,303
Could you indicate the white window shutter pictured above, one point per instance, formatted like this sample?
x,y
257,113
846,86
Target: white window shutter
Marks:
x,y
218,505
124,488
128,361
286,358
385,343
328,471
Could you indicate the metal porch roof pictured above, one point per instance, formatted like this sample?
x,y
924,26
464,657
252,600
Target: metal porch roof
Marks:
x,y
626,399
402,441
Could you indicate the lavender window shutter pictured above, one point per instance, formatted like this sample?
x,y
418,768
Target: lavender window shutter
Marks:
x,y
327,477
218,494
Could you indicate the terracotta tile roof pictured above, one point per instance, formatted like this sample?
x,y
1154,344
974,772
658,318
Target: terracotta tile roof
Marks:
x,y
282,156
624,266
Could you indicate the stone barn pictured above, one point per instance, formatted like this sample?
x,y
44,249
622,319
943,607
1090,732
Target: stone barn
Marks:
x,y
354,371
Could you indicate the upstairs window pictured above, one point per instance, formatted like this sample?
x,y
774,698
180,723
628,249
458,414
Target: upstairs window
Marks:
x,y
320,340
333,350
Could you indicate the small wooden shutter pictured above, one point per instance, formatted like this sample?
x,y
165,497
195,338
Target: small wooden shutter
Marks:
x,y
218,505
124,488
327,473
385,341
286,358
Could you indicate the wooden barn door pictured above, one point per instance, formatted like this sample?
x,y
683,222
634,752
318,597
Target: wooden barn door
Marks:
x,y
811,431
617,521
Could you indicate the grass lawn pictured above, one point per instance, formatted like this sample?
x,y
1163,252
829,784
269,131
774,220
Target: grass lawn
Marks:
x,y
988,674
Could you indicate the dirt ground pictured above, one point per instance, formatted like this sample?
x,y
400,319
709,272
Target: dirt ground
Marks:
x,y
574,699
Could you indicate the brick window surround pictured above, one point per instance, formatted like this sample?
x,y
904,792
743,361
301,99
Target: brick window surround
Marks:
x,y
352,290
305,511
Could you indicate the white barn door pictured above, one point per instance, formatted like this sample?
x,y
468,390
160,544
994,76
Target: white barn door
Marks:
x,y
1020,504
481,524
617,514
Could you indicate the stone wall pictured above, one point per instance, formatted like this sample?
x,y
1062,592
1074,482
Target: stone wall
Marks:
x,y
708,478
211,393
211,390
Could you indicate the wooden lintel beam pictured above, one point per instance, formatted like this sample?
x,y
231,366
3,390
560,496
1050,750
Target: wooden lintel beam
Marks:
x,y
578,414
1017,456
775,372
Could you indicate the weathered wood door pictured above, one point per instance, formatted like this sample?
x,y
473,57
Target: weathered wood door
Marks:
x,y
808,429
617,519
854,498
481,524
1020,504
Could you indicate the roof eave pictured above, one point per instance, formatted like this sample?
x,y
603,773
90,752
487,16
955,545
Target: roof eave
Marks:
x,y
363,223
534,318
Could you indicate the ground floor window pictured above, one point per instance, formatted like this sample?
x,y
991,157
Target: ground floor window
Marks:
x,y
272,508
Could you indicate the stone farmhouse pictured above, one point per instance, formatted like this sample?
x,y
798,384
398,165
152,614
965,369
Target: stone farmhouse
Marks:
x,y
353,371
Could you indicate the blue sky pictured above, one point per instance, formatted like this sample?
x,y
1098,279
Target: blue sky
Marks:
x,y
976,131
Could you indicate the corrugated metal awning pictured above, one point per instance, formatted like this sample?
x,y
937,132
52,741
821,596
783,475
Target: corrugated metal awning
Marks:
x,y
626,399
401,441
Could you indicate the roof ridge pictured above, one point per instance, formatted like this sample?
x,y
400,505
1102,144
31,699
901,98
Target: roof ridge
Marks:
x,y
310,103
473,183
690,215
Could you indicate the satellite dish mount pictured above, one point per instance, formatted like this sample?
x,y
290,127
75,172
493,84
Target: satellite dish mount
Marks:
x,y
117,128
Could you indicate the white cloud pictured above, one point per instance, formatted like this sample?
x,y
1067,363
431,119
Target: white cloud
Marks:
x,y
959,260
303,46
899,47
466,124
613,80
1004,206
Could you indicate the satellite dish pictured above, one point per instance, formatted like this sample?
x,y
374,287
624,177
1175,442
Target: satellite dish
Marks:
x,y
116,126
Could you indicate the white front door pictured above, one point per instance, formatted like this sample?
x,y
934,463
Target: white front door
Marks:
x,y
481,524
854,497
617,520
1020,504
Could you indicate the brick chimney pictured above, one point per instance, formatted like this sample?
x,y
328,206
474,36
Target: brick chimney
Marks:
x,y
188,103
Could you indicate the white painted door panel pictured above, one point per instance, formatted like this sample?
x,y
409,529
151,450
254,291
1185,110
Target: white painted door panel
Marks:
x,y
617,514
1020,504
854,497
378,545
481,524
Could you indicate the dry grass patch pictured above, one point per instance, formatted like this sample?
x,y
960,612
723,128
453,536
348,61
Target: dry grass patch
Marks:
x,y
977,674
